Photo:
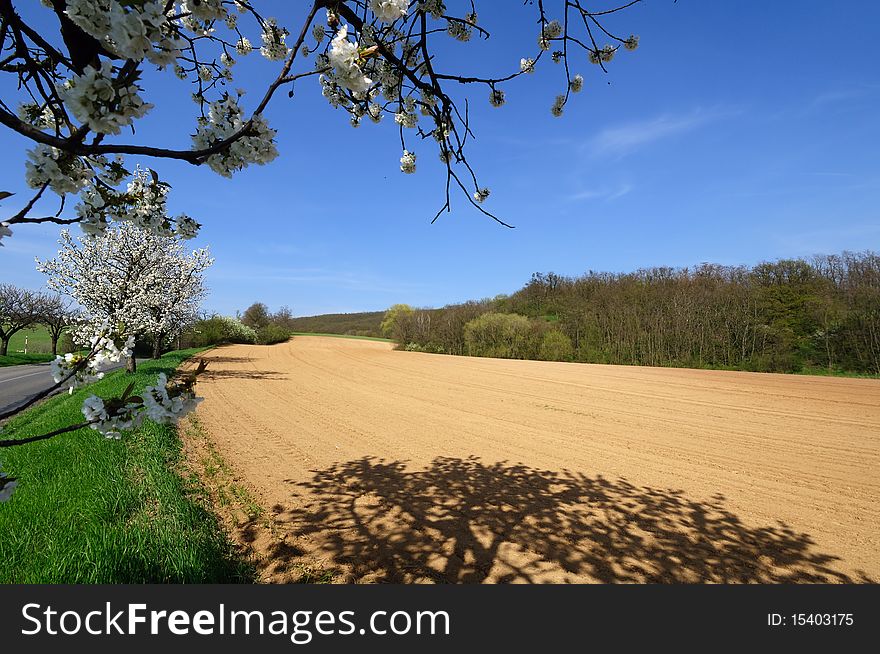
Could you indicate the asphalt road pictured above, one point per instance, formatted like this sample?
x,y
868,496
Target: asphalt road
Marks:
x,y
18,383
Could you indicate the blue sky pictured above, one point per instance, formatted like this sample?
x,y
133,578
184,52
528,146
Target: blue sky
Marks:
x,y
739,131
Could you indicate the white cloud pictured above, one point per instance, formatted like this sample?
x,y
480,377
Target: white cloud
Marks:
x,y
623,139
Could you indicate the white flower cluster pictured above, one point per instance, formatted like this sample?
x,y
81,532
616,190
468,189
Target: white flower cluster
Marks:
x,y
274,48
603,55
148,209
481,194
408,162
551,30
243,46
4,231
461,30
435,8
225,118
136,31
106,348
345,59
105,105
389,10
163,403
7,486
187,228
632,42
577,83
63,173
144,203
558,105
39,117
406,119
205,10
527,65
496,97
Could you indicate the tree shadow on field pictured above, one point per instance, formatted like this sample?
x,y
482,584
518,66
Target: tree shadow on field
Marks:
x,y
462,520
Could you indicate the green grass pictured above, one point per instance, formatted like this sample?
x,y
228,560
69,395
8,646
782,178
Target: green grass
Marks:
x,y
38,340
361,338
17,359
39,347
91,510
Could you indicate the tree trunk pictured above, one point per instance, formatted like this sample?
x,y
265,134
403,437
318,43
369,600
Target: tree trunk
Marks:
x,y
4,347
54,346
157,347
131,365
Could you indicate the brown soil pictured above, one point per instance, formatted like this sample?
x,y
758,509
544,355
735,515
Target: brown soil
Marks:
x,y
376,465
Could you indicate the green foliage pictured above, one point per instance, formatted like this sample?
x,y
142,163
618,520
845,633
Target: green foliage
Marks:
x,y
272,333
782,316
394,320
218,330
256,316
500,335
18,359
355,324
91,510
555,346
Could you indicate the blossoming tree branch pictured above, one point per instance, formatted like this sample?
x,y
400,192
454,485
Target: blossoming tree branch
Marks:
x,y
370,58
77,93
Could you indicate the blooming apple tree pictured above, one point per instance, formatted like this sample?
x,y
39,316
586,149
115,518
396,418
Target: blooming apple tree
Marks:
x,y
78,90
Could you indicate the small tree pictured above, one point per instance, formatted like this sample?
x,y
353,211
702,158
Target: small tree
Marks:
x,y
129,276
19,308
57,315
256,316
393,319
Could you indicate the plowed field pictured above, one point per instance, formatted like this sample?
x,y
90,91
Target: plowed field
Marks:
x,y
377,465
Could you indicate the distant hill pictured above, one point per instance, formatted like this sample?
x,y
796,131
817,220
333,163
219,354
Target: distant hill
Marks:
x,y
354,324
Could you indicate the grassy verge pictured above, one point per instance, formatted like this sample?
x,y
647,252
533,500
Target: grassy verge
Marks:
x,y
252,527
361,338
89,510
17,358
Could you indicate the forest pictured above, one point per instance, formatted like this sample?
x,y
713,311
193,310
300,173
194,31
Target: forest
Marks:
x,y
820,314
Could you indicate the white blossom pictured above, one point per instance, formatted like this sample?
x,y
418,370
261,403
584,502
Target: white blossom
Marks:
x,y
102,103
558,104
345,59
577,83
527,65
204,9
408,162
224,119
63,173
435,8
389,10
496,97
481,194
244,47
274,48
632,42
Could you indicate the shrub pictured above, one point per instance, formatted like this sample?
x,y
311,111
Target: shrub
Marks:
x,y
272,333
555,346
503,335
218,330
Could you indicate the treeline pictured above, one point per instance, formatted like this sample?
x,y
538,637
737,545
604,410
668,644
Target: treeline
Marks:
x,y
790,315
351,324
